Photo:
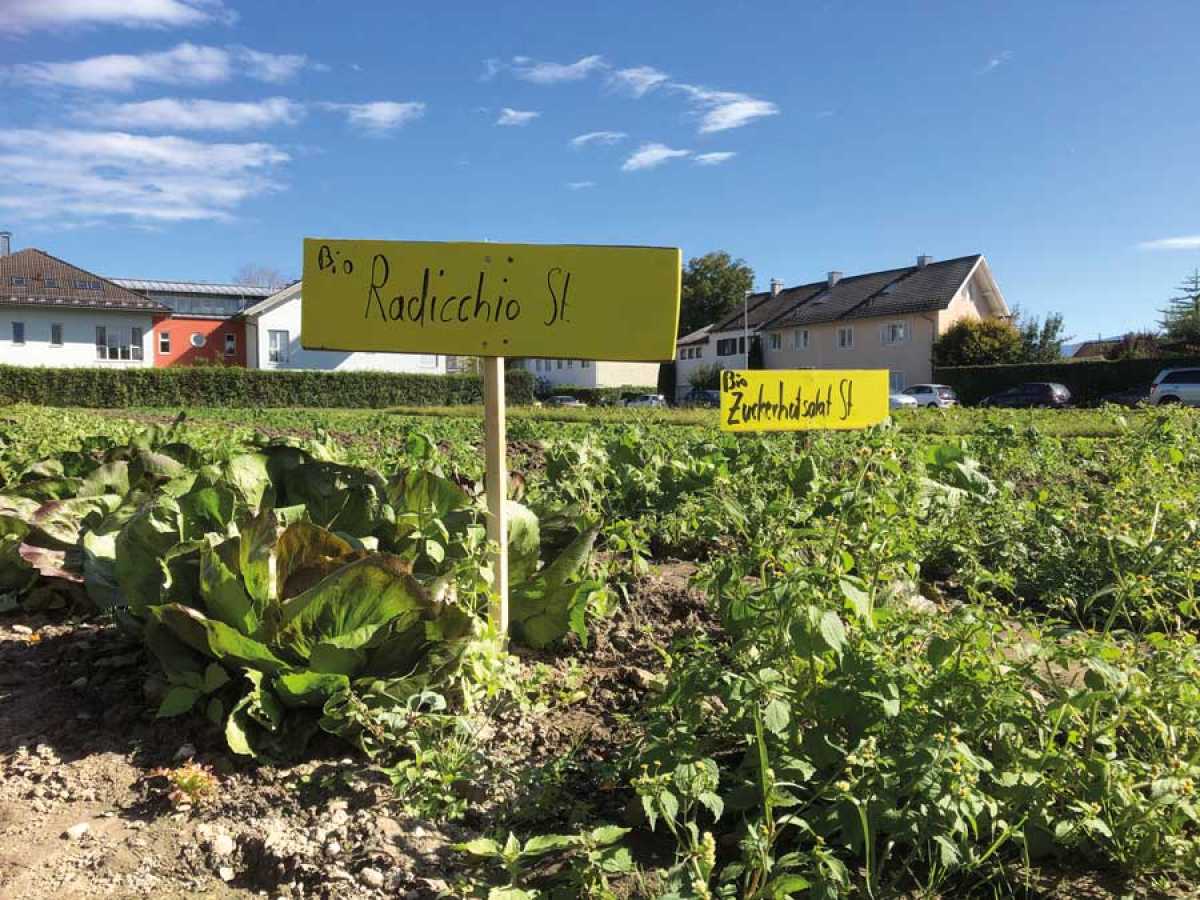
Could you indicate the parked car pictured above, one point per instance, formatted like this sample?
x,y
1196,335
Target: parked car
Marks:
x,y
1176,386
902,401
1030,395
933,395
1129,397
647,400
564,400
701,397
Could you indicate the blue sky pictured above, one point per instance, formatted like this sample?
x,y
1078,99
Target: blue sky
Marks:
x,y
185,138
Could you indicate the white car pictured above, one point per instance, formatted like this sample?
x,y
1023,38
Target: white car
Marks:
x,y
933,395
902,401
655,400
1176,386
564,401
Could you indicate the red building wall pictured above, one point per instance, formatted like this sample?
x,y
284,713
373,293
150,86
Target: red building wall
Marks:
x,y
185,333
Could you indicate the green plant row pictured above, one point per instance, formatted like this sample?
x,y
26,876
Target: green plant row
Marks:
x,y
229,386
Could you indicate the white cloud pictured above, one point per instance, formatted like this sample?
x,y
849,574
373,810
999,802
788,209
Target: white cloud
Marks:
x,y
553,73
996,62
79,176
272,67
197,115
638,80
722,110
648,156
580,185
29,15
598,137
186,63
380,116
516,116
1183,242
714,159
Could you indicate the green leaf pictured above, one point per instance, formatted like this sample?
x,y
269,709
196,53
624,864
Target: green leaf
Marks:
x,y
141,544
524,542
484,847
787,886
833,632
300,689
776,716
546,843
713,803
248,477
225,598
215,677
939,650
859,600
177,701
616,860
607,834
214,638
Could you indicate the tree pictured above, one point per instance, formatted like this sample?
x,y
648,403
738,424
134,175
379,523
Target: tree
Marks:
x,y
1181,318
714,285
1136,345
706,378
978,342
1041,341
253,275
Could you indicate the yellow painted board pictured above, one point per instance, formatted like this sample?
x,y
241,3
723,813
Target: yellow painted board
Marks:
x,y
799,400
483,299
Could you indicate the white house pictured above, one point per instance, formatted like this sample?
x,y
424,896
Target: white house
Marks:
x,y
56,314
877,320
273,342
586,373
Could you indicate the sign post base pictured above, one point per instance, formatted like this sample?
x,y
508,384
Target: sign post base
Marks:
x,y
496,486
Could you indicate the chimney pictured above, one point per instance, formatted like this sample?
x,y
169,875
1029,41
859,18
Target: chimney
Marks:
x,y
923,261
5,243
776,287
834,278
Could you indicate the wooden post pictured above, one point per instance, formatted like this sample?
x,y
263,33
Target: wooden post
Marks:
x,y
496,485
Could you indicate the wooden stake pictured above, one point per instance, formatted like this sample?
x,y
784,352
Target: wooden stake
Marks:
x,y
496,484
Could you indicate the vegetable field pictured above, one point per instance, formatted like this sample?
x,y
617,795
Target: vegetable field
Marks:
x,y
951,656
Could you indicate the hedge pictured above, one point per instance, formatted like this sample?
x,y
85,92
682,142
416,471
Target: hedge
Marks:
x,y
237,387
1089,380
605,396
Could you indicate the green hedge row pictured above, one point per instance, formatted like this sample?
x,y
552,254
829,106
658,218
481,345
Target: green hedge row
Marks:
x,y
1089,380
606,396
232,386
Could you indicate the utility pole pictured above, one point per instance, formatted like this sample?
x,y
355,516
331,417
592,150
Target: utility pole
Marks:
x,y
746,328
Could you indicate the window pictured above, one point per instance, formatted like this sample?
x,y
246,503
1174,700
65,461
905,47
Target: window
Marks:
x,y
51,282
559,363
164,342
845,337
277,346
1183,376
894,333
585,364
55,334
800,339
570,363
230,344
775,340
117,343
18,333
87,284
895,382
19,280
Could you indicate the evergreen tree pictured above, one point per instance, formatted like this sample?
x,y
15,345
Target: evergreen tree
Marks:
x,y
1181,318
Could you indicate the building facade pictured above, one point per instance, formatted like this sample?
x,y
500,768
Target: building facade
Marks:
x,y
587,373
205,325
878,320
272,330
57,314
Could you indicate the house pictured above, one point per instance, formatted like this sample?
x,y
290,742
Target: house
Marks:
x,y
1096,349
877,320
272,328
57,314
205,325
587,373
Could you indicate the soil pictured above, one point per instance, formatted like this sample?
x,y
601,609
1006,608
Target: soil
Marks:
x,y
85,811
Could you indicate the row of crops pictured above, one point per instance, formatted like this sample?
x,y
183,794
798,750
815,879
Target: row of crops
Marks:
x,y
940,662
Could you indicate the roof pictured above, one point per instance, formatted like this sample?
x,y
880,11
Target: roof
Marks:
x,y
145,285
49,281
889,292
1095,348
290,292
699,336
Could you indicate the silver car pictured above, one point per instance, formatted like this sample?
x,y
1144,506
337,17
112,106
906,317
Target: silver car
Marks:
x,y
1176,386
655,400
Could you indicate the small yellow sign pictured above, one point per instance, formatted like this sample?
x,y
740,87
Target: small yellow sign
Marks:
x,y
788,400
481,299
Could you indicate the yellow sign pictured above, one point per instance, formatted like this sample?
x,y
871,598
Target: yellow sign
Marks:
x,y
786,400
481,299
